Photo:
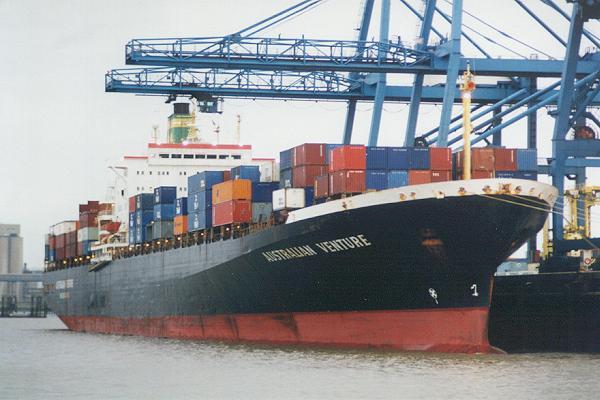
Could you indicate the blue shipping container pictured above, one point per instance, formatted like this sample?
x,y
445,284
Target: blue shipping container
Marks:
x,y
328,148
132,235
398,158
144,201
527,159
140,234
251,172
531,175
164,212
181,206
200,220
377,179
87,247
397,179
165,194
131,220
262,192
309,196
143,218
203,180
285,178
285,159
419,158
376,158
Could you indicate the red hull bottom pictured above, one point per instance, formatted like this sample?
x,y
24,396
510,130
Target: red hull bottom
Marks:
x,y
448,330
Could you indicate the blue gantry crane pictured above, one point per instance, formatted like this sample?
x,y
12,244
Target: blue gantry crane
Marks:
x,y
244,65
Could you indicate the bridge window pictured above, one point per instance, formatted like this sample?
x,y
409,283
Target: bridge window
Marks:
x,y
200,156
175,155
223,156
163,155
188,156
211,156
236,156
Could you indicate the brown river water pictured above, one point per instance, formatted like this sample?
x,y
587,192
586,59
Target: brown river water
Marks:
x,y
41,359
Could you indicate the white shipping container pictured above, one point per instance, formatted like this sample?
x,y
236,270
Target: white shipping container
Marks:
x,y
288,198
64,227
85,234
269,171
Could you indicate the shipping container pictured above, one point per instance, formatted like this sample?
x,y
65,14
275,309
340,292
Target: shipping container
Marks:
x,y
304,175
418,177
143,217
376,179
71,250
249,172
289,199
440,158
531,175
269,170
199,200
71,237
322,186
398,158
181,205
285,159
131,220
88,219
328,148
140,234
86,234
232,212
60,253
131,236
505,159
144,201
162,229
164,212
197,220
91,206
309,154
238,189
60,240
527,160
482,159
132,204
376,157
84,248
262,192
309,196
204,180
64,227
286,178
180,224
419,158
506,174
441,176
348,157
165,194
261,212
481,174
349,181
397,179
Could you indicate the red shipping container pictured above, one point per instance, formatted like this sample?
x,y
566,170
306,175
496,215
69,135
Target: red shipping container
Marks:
x,y
226,175
505,159
482,159
440,159
71,250
52,242
441,176
132,204
304,176
321,186
80,248
232,212
419,176
309,154
91,205
60,253
349,157
481,174
350,181
61,241
71,238
88,219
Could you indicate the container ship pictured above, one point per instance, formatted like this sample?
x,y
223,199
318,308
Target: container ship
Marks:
x,y
334,245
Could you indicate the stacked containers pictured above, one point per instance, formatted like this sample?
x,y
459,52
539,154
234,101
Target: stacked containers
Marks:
x,y
285,168
199,200
262,197
482,163
440,163
180,223
308,162
250,172
398,164
505,162
88,227
376,174
164,212
347,170
65,235
232,202
144,213
527,164
419,172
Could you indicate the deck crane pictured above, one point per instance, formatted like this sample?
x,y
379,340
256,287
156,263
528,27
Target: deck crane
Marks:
x,y
244,65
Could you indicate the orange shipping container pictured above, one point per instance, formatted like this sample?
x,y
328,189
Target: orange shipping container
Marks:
x,y
441,176
180,224
238,189
505,159
482,159
440,158
482,174
419,176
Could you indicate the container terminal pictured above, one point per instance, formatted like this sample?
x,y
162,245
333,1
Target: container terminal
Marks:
x,y
345,244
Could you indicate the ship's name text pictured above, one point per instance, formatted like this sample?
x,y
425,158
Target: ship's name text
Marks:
x,y
328,246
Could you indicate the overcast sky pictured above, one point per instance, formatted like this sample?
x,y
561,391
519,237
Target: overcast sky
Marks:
x,y
59,129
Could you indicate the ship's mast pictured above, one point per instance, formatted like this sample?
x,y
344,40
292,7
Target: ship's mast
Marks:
x,y
467,86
